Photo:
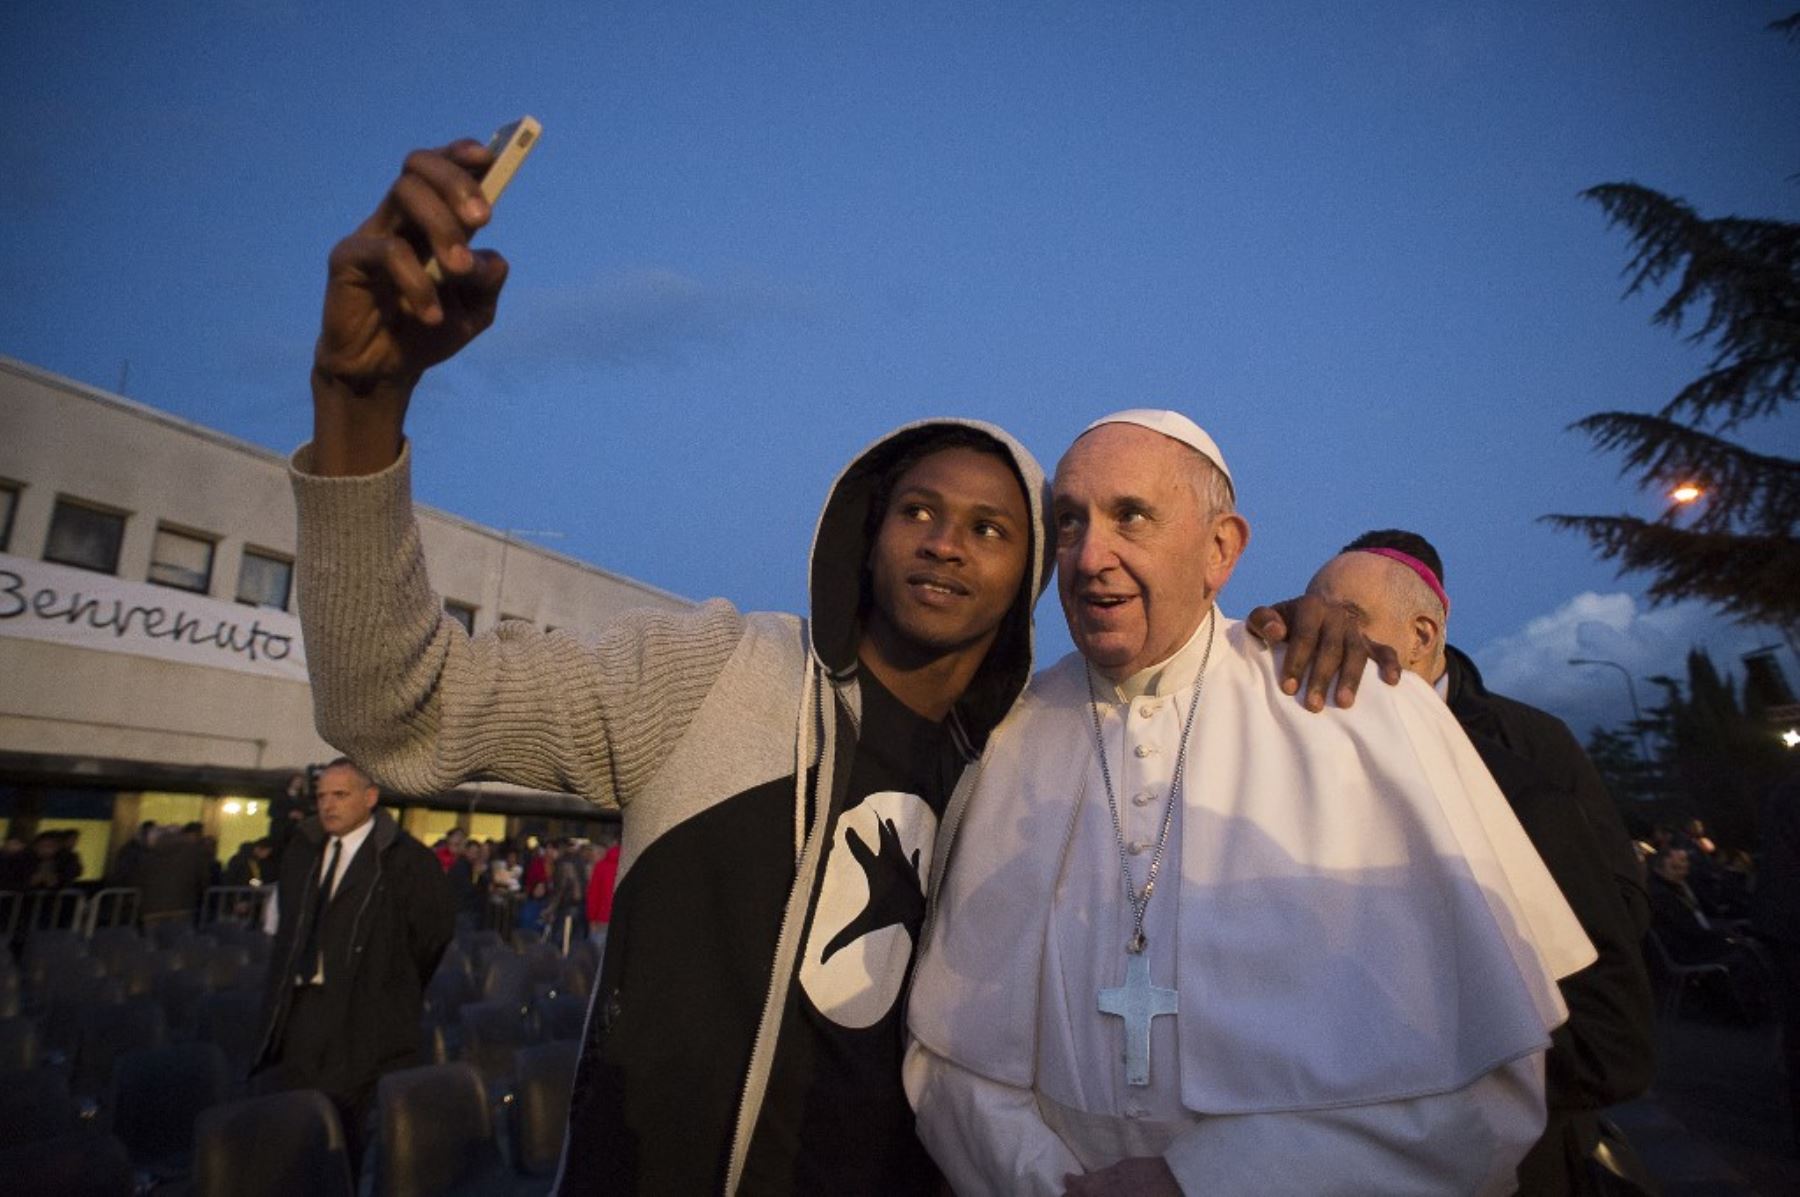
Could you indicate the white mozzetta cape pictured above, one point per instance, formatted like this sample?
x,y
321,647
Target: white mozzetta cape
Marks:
x,y
1362,918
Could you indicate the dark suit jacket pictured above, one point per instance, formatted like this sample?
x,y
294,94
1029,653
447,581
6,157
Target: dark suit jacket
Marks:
x,y
1605,1053
382,936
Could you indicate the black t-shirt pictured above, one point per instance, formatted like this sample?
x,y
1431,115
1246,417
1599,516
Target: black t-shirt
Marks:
x,y
835,1118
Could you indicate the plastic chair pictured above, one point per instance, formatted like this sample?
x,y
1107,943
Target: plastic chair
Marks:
x,y
538,1114
493,1032
47,947
561,1017
181,993
136,975
1677,977
67,1013
77,1165
108,1032
543,966
577,978
436,1132
505,979
232,1022
18,1045
51,978
157,1095
225,969
449,990
272,1146
36,1105
12,988
479,945
114,945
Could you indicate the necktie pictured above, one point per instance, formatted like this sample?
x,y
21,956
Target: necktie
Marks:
x,y
314,954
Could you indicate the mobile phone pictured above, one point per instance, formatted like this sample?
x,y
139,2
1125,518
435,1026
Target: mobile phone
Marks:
x,y
509,145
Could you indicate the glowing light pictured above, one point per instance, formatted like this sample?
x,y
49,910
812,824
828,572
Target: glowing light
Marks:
x,y
1791,737
250,808
1687,492
232,806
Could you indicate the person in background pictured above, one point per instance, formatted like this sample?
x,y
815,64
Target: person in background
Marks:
x,y
449,849
15,865
601,880
1777,924
1392,582
128,863
361,916
175,875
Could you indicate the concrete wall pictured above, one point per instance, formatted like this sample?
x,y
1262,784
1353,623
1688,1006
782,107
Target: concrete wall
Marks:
x,y
58,437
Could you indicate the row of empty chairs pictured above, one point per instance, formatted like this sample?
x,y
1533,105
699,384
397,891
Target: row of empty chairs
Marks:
x,y
125,1055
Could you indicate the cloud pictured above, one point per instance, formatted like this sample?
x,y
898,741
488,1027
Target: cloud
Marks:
x,y
1532,665
644,317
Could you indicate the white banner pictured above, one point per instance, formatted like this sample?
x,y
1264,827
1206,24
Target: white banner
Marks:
x,y
54,603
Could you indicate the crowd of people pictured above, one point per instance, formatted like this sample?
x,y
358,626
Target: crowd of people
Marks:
x,y
1703,903
540,887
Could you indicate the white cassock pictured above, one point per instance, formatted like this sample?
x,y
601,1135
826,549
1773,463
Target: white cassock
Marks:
x,y
1364,944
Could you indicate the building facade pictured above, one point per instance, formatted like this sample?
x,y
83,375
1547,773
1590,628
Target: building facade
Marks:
x,y
151,663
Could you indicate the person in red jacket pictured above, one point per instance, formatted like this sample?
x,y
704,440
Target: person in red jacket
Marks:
x,y
600,881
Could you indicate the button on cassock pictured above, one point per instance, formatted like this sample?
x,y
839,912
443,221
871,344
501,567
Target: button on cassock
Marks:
x,y
1143,750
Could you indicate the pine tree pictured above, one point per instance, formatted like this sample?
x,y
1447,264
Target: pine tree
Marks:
x,y
1714,758
1739,547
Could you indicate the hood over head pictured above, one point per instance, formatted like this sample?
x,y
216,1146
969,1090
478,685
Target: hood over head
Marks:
x,y
840,570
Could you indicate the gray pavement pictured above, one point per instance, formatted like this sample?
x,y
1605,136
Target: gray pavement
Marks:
x,y
1716,1120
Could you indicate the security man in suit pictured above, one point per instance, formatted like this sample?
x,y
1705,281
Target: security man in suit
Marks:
x,y
361,916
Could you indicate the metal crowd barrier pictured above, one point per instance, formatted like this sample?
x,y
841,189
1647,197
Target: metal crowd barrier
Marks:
x,y
239,904
64,907
118,905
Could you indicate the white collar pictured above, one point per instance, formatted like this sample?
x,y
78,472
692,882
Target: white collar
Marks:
x,y
353,840
1175,672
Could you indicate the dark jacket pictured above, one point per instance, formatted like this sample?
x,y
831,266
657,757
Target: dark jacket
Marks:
x,y
382,936
1605,1052
172,875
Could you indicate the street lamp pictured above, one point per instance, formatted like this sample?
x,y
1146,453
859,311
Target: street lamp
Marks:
x,y
1637,713
1687,492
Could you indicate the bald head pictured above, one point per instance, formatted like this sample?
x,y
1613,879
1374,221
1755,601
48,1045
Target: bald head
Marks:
x,y
1392,603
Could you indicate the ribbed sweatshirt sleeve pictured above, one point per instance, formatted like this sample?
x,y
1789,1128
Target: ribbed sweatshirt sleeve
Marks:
x,y
399,686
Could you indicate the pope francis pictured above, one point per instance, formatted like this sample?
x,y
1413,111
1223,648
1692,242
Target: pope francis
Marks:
x,y
1195,939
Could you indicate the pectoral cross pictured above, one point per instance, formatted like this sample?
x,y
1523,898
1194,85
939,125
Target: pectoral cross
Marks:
x,y
1138,1002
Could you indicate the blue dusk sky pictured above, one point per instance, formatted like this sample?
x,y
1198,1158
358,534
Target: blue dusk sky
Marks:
x,y
1346,238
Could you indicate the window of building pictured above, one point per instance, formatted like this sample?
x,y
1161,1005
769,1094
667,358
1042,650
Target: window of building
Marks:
x,y
181,560
85,537
9,503
462,613
264,580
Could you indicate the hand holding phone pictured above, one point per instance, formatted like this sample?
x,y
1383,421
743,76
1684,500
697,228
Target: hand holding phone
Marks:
x,y
509,145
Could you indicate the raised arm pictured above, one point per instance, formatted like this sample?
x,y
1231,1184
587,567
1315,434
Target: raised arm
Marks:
x,y
397,684
385,321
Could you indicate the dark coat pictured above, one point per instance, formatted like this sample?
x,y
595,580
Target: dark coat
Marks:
x,y
382,937
172,875
1605,1053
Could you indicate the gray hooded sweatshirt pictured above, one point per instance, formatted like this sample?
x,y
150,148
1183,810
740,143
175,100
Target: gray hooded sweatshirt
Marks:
x,y
727,741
